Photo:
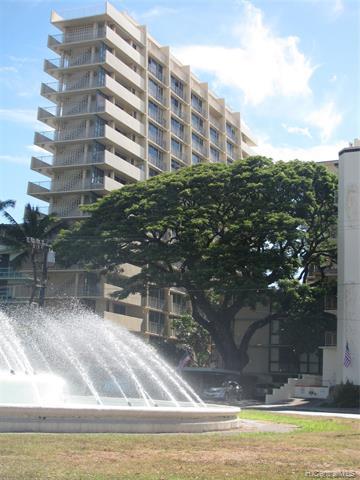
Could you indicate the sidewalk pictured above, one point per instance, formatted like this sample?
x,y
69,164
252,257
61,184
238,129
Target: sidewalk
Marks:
x,y
305,407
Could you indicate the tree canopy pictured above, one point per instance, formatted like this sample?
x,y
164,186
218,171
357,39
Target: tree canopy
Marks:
x,y
15,236
228,234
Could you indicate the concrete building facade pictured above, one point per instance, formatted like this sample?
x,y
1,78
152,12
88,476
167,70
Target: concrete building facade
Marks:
x,y
124,110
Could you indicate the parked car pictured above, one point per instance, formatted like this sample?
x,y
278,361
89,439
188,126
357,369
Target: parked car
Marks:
x,y
227,392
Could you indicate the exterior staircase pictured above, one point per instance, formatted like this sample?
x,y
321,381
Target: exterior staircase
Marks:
x,y
288,390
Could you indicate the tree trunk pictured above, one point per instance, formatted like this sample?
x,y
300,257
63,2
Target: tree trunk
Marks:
x,y
234,357
35,281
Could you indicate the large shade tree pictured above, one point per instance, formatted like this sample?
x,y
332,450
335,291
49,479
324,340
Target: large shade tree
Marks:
x,y
16,236
229,235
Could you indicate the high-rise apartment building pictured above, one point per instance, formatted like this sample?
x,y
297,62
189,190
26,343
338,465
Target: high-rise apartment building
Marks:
x,y
124,110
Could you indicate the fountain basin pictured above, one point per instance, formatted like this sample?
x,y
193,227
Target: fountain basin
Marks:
x,y
117,419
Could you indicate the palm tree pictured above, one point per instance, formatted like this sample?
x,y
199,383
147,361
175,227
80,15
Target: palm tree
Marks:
x,y
6,204
16,236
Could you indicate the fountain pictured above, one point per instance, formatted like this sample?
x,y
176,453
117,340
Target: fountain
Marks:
x,y
68,370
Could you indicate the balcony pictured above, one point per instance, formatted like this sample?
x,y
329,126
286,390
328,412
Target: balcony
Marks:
x,y
179,154
247,151
179,112
105,159
158,117
199,129
330,339
133,324
179,92
156,94
199,109
54,41
55,67
159,75
86,58
158,139
156,162
202,149
158,328
216,123
43,190
103,108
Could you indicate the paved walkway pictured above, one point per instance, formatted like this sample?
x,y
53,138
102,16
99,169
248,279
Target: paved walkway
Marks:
x,y
297,406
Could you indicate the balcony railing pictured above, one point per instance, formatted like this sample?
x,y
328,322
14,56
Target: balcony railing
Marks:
x,y
78,84
158,139
67,135
199,128
156,162
180,154
158,117
199,148
199,109
156,327
86,58
180,112
330,339
73,158
79,36
216,123
157,94
159,75
72,184
178,91
71,109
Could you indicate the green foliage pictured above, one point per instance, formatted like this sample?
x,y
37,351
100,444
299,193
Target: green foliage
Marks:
x,y
346,395
229,235
193,337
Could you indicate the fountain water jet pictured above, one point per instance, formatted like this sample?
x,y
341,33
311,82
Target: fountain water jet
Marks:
x,y
68,370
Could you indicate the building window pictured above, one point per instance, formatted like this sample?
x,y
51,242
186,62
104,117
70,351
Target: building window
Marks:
x,y
196,103
177,128
198,143
156,322
177,86
175,165
156,69
156,298
156,157
214,136
230,131
155,112
230,149
195,159
156,134
177,107
197,123
153,173
156,90
176,147
214,155
119,308
178,304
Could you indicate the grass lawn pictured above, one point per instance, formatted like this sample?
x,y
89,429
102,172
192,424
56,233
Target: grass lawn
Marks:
x,y
318,444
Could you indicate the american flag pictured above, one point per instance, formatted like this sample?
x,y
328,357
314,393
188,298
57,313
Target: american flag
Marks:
x,y
347,356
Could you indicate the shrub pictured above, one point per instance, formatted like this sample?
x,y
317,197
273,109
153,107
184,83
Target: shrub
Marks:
x,y
346,395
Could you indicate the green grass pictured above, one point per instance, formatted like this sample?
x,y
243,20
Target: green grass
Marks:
x,y
304,424
321,444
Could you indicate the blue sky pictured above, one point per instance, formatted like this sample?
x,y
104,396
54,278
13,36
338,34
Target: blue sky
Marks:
x,y
290,67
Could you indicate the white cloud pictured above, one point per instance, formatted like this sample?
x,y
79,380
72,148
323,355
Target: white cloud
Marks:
x,y
8,69
18,115
337,7
316,153
36,149
297,130
14,159
158,11
263,64
22,116
326,119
